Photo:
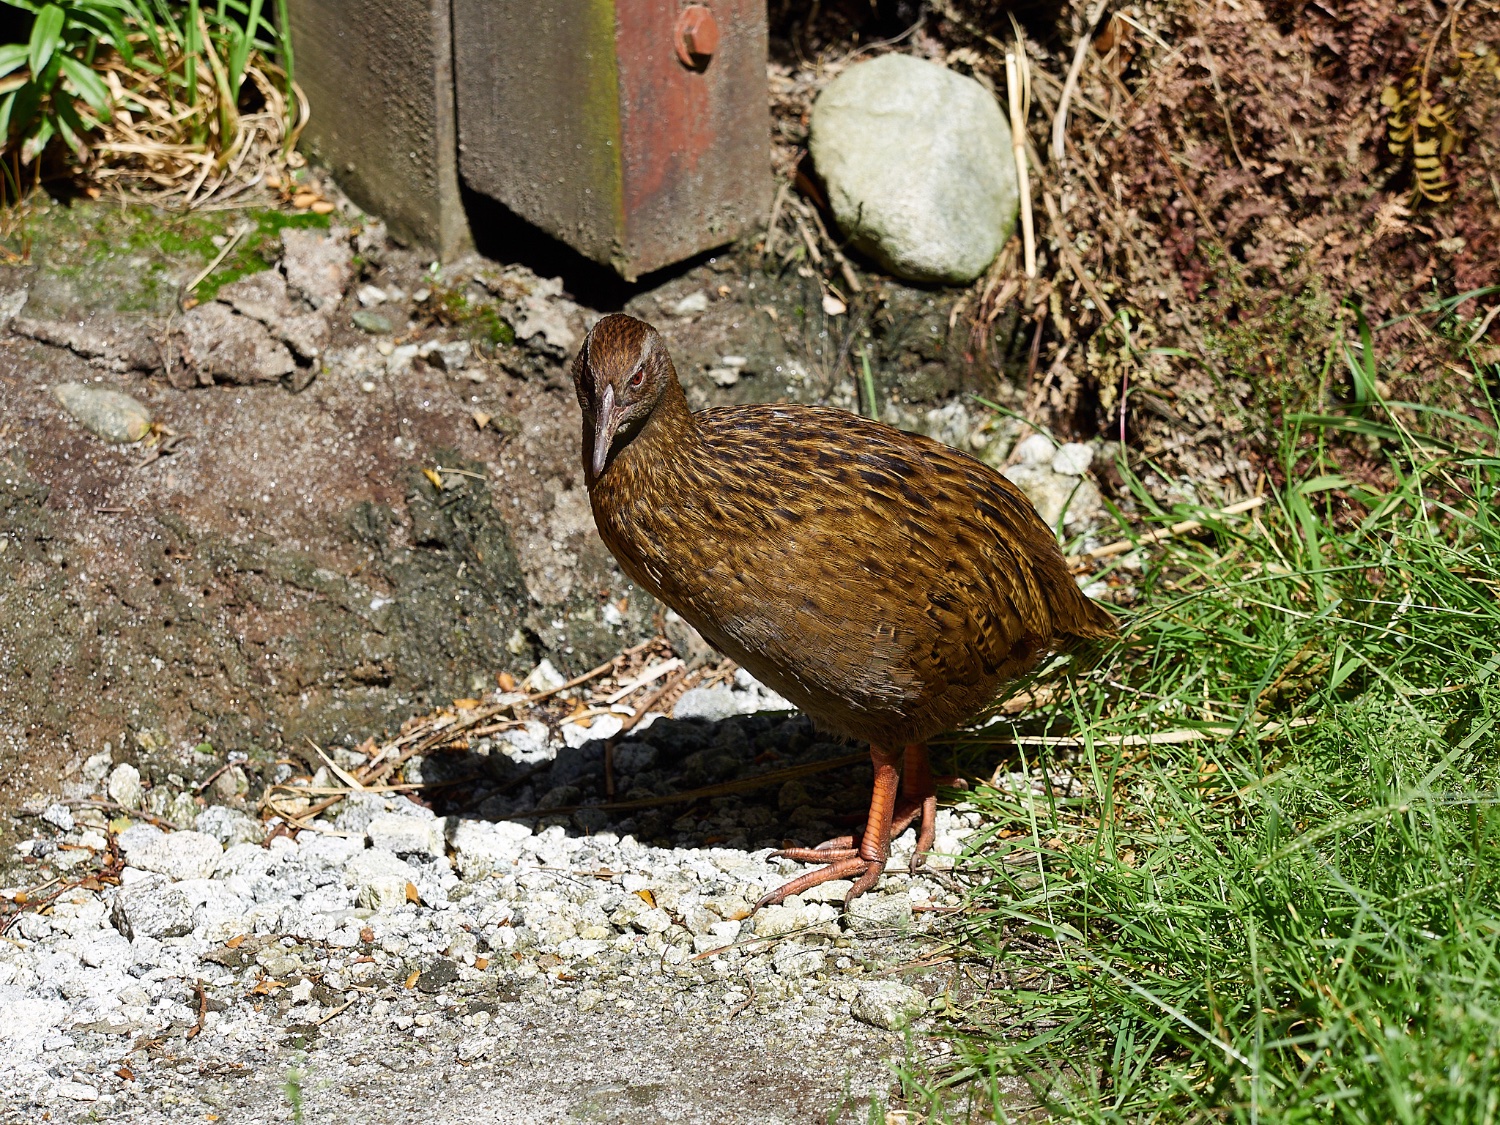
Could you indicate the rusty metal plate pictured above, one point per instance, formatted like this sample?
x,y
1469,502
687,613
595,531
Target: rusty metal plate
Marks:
x,y
636,131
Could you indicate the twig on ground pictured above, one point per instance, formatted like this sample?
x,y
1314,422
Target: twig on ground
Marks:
x,y
1080,52
1120,546
1018,147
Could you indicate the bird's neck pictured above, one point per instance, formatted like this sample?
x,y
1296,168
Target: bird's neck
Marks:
x,y
668,435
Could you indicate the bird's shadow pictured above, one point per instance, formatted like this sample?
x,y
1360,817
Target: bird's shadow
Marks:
x,y
746,782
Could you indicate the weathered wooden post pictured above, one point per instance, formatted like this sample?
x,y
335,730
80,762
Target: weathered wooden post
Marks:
x,y
635,131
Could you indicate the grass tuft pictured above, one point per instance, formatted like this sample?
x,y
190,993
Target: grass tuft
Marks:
x,y
1295,916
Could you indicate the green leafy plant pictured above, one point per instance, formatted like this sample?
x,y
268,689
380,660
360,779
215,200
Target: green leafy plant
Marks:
x,y
45,78
157,96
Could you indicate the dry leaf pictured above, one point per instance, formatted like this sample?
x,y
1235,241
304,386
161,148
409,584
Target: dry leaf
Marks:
x,y
411,981
481,963
304,199
481,419
367,935
236,941
267,986
126,1073
411,893
506,681
647,897
833,306
437,481
321,207
465,704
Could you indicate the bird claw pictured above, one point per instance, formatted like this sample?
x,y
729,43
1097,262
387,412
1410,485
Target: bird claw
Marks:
x,y
867,870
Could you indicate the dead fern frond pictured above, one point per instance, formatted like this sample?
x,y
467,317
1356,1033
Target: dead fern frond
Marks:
x,y
1421,128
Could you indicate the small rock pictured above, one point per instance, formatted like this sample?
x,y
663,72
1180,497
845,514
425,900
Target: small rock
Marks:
x,y
888,1004
405,835
96,768
452,355
177,855
918,165
474,1047
544,677
541,322
379,879
33,927
233,784
229,827
370,295
318,265
59,816
1073,458
439,976
10,306
1036,450
125,786
793,960
723,376
691,305
874,912
1073,500
149,909
376,324
76,1091
111,415
600,727
485,849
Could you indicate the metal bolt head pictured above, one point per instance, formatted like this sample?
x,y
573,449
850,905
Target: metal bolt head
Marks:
x,y
696,36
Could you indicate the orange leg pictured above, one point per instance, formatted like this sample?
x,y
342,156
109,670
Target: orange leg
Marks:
x,y
863,864
918,799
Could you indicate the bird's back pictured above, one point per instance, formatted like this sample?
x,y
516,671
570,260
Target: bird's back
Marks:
x,y
883,582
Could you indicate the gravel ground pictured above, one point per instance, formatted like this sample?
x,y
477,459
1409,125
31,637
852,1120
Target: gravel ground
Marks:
x,y
499,964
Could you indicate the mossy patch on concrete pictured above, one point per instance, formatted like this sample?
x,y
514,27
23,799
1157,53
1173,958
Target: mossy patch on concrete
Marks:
x,y
88,257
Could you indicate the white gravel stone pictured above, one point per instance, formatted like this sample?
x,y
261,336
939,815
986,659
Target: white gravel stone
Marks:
x,y
405,835
149,908
59,816
177,855
1073,458
880,912
75,1091
544,677
125,786
601,727
1036,450
485,849
887,1003
379,879
229,827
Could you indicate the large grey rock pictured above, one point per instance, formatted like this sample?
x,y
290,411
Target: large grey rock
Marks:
x,y
918,166
111,415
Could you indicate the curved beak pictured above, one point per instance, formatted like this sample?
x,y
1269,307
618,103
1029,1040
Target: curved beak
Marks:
x,y
605,424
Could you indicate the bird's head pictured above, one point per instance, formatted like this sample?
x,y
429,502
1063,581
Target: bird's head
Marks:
x,y
621,374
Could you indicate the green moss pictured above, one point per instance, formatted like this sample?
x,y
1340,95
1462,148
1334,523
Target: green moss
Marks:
x,y
97,256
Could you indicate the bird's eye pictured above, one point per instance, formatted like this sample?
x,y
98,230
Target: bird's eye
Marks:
x,y
638,377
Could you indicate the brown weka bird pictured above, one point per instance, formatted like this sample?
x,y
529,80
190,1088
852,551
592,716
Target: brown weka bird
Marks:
x,y
884,583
